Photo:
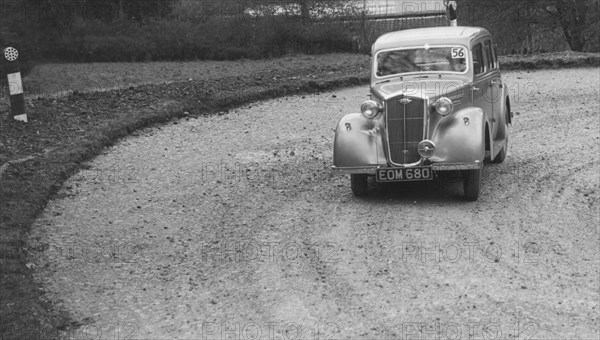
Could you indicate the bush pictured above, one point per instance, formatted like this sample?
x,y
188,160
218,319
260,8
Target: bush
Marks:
x,y
163,39
525,27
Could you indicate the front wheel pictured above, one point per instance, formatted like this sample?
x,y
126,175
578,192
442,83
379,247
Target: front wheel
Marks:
x,y
472,184
358,182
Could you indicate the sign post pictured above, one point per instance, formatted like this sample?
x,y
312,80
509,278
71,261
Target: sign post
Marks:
x,y
15,84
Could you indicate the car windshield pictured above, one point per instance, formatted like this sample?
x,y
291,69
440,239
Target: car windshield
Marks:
x,y
422,59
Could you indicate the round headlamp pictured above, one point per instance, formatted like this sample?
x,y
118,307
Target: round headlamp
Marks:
x,y
370,109
426,148
443,106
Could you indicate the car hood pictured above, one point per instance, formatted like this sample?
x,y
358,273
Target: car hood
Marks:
x,y
418,88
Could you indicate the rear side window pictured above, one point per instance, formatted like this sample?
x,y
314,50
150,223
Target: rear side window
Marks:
x,y
478,59
490,54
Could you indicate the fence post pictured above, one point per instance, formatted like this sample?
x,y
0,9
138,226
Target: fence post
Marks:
x,y
15,84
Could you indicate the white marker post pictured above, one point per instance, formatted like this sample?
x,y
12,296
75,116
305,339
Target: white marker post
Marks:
x,y
451,8
15,85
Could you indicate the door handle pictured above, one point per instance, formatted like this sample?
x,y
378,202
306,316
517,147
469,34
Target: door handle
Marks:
x,y
496,82
475,88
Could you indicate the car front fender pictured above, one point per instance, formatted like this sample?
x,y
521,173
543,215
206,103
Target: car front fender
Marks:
x,y
460,137
358,142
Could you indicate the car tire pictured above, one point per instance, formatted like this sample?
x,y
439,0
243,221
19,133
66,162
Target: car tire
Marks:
x,y
472,184
358,182
501,156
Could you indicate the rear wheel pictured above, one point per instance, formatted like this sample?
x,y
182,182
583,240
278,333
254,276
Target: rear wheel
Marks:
x,y
472,184
358,182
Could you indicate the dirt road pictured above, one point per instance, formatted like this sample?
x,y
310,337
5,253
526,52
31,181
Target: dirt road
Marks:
x,y
233,227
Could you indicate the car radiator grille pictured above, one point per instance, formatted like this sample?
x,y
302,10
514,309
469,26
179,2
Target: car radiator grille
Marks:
x,y
405,120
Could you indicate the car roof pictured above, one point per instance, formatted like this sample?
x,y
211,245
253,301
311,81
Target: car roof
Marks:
x,y
431,35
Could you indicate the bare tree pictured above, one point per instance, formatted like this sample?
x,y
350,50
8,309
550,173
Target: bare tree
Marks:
x,y
513,20
577,18
305,11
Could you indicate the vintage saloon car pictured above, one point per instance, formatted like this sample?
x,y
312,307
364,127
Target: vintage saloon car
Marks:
x,y
437,103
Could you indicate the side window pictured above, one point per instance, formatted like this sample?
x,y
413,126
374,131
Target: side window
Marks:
x,y
490,54
495,54
478,59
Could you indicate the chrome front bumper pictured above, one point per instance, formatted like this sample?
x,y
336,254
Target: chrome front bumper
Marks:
x,y
370,170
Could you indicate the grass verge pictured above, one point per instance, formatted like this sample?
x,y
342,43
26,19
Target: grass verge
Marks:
x,y
65,131
549,60
59,80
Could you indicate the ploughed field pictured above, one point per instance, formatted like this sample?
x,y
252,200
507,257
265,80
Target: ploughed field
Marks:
x,y
232,226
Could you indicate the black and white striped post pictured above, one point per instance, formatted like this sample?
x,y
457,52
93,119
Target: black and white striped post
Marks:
x,y
15,85
451,7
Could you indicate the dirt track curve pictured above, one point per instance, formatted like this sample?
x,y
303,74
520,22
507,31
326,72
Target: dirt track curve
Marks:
x,y
233,227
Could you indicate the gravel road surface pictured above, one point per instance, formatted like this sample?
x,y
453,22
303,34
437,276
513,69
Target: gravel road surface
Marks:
x,y
232,227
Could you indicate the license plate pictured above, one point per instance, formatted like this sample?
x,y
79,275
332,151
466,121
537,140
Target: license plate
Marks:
x,y
404,174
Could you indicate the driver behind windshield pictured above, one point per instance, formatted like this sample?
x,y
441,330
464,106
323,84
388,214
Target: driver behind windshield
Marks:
x,y
395,62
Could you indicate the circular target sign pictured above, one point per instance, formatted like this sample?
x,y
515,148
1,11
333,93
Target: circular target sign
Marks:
x,y
11,53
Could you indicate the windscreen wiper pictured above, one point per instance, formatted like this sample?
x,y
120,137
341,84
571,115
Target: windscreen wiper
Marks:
x,y
388,80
